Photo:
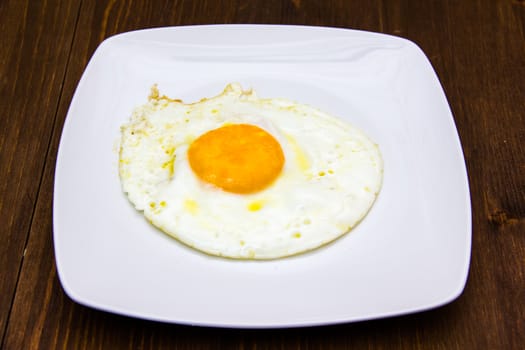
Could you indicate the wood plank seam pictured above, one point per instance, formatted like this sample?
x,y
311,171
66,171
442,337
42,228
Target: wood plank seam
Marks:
x,y
49,141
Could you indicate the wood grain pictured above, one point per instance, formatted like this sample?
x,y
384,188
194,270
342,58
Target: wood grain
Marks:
x,y
32,69
477,49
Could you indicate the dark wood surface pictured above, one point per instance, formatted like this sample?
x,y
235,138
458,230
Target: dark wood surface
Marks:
x,y
477,48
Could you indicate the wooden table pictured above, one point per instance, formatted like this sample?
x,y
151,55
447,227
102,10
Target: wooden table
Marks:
x,y
477,48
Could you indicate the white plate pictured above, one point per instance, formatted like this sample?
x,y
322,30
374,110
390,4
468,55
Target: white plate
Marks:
x,y
411,252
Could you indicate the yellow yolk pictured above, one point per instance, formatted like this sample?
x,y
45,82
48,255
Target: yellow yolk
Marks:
x,y
239,158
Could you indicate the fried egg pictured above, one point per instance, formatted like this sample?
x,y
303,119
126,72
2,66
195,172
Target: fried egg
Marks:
x,y
242,177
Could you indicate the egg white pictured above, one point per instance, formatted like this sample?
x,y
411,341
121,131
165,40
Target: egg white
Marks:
x,y
330,179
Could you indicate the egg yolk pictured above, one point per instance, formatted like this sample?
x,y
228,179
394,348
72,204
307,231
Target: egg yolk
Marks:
x,y
239,158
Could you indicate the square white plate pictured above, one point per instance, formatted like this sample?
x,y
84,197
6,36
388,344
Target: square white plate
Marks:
x,y
411,252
